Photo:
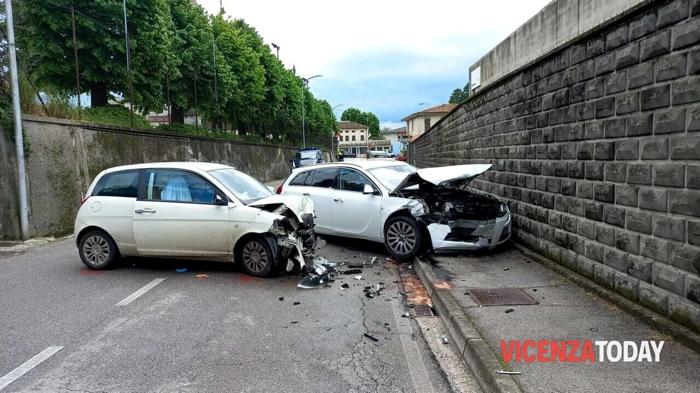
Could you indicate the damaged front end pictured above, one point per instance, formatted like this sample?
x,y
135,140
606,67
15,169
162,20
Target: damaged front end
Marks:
x,y
457,219
293,234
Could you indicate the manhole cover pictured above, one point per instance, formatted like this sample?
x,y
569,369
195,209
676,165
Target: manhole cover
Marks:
x,y
500,296
422,310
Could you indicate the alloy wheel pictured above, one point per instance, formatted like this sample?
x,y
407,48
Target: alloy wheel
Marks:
x,y
401,237
96,250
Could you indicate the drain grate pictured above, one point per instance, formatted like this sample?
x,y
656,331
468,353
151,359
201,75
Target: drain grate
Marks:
x,y
422,310
500,296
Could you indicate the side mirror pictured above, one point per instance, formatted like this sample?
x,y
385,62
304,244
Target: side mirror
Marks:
x,y
368,190
220,200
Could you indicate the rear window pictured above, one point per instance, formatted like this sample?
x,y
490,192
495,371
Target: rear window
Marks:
x,y
118,184
300,179
322,178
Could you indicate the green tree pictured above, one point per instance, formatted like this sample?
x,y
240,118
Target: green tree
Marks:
x,y
458,95
45,37
367,118
247,74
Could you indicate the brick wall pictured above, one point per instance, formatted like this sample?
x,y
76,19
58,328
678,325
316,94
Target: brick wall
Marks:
x,y
596,148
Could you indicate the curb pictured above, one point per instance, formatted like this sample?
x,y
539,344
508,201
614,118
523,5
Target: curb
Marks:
x,y
656,321
472,346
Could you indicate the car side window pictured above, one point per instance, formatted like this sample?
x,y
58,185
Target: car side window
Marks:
x,y
118,184
300,179
352,180
324,178
177,186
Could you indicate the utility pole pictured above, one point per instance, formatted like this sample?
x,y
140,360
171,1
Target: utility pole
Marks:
x,y
216,85
128,66
17,111
304,85
75,56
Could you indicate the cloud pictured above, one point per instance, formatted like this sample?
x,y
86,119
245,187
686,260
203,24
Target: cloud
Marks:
x,y
385,56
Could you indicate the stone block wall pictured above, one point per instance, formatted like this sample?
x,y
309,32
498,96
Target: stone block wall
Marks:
x,y
596,149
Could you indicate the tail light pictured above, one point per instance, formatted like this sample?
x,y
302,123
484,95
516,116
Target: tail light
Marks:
x,y
278,190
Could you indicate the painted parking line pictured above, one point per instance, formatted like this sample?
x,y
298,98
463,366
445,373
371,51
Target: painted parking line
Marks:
x,y
27,366
140,292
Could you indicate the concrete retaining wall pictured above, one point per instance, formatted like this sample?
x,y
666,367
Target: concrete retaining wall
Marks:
x,y
596,148
65,156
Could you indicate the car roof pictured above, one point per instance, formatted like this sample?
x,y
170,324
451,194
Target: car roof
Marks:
x,y
359,162
192,165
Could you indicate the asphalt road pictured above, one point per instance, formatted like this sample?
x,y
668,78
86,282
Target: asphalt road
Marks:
x,y
226,332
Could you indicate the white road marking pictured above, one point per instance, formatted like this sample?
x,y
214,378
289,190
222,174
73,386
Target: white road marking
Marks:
x,y
140,292
416,365
27,366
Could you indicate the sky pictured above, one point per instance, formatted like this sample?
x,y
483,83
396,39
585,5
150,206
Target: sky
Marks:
x,y
383,56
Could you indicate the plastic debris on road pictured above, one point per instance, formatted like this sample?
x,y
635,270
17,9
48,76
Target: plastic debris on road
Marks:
x,y
508,372
358,278
181,270
202,276
445,340
371,337
321,274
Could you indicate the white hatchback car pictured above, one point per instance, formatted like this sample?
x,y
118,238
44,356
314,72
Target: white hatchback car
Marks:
x,y
408,209
192,210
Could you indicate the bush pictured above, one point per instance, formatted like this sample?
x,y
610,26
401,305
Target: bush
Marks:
x,y
114,115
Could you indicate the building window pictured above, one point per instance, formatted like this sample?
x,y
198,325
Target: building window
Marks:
x,y
353,138
362,137
347,138
427,124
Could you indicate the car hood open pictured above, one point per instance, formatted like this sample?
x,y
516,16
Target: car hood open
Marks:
x,y
298,204
448,176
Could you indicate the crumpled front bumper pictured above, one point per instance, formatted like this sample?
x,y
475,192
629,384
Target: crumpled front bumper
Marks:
x,y
486,234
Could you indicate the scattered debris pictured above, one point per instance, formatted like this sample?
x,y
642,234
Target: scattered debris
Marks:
x,y
593,329
181,270
351,271
371,337
508,372
202,276
295,321
344,285
406,315
358,278
445,340
297,303
506,269
281,299
534,289
509,310
321,274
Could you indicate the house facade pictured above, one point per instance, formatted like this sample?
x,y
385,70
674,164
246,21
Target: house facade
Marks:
x,y
419,122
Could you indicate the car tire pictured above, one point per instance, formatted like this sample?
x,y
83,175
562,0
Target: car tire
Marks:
x,y
256,257
402,237
97,250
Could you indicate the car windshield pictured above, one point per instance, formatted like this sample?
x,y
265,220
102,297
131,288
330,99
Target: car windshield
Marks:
x,y
306,154
244,187
392,176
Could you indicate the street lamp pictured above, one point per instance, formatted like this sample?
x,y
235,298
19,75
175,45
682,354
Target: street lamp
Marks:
x,y
277,48
304,85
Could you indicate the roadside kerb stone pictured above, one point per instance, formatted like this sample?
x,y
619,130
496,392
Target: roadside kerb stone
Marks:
x,y
476,353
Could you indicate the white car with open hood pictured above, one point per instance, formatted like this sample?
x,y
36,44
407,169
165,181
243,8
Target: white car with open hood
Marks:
x,y
192,210
407,209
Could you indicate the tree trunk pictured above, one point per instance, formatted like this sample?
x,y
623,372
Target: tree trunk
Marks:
x,y
178,115
98,94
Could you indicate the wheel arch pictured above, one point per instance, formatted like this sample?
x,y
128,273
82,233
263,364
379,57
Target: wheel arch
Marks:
x,y
93,228
261,235
427,242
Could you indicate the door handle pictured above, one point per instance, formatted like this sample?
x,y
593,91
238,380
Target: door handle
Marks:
x,y
146,210
337,199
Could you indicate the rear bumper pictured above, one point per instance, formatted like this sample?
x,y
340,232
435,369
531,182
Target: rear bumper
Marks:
x,y
490,234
